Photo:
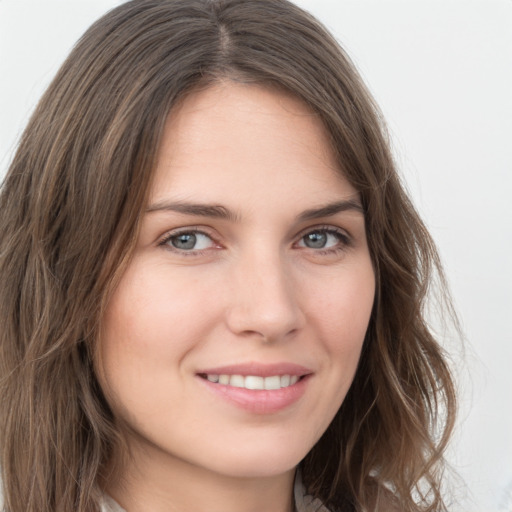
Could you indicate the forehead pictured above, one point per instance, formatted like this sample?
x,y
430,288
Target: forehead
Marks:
x,y
231,138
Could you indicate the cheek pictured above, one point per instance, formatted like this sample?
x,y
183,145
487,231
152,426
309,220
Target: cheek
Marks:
x,y
342,314
344,306
338,319
149,326
151,309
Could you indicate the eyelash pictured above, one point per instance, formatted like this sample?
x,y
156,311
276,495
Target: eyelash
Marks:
x,y
165,242
344,240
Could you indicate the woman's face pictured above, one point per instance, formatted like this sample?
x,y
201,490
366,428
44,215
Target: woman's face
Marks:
x,y
235,332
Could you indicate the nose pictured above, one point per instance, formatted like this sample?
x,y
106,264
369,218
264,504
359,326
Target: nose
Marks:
x,y
264,299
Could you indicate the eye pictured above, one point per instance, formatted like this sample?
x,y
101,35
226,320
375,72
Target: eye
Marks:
x,y
188,241
324,238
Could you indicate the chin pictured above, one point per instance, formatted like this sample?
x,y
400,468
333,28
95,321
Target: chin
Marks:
x,y
259,463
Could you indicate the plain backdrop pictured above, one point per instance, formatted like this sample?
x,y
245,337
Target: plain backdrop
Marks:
x,y
441,71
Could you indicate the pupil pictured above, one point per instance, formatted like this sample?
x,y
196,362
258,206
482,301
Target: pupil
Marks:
x,y
185,241
316,240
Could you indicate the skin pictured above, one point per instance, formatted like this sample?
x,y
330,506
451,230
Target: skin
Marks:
x,y
252,290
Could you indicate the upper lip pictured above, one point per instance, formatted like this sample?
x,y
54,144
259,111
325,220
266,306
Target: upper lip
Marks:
x,y
258,369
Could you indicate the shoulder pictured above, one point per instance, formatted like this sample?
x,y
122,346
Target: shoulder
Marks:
x,y
107,504
383,500
304,502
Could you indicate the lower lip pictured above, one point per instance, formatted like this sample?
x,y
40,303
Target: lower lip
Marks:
x,y
259,401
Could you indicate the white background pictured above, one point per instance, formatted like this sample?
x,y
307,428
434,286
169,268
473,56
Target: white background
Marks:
x,y
441,71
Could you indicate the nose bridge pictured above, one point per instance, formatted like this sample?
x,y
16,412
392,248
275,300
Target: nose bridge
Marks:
x,y
264,299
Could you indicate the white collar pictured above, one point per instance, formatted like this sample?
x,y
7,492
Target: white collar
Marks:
x,y
303,502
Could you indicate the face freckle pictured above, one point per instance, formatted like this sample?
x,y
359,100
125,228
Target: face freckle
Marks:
x,y
241,271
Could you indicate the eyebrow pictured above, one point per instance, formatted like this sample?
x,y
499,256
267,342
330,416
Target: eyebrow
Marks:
x,y
331,209
197,209
221,212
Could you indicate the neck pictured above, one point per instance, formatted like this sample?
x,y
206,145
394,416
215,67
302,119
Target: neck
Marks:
x,y
159,483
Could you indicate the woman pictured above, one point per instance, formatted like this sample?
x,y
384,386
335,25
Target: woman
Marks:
x,y
213,280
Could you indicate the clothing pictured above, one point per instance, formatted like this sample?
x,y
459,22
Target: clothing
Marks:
x,y
303,502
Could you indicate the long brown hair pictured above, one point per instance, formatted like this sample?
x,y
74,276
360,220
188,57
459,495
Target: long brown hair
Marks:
x,y
70,208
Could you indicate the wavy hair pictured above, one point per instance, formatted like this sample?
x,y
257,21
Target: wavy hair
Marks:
x,y
70,209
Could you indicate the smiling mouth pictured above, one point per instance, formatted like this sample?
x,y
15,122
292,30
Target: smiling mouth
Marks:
x,y
253,382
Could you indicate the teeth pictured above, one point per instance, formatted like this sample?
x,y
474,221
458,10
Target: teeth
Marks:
x,y
273,382
285,381
254,381
237,381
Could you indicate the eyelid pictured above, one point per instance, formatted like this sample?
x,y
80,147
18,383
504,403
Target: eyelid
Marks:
x,y
326,228
345,238
165,239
